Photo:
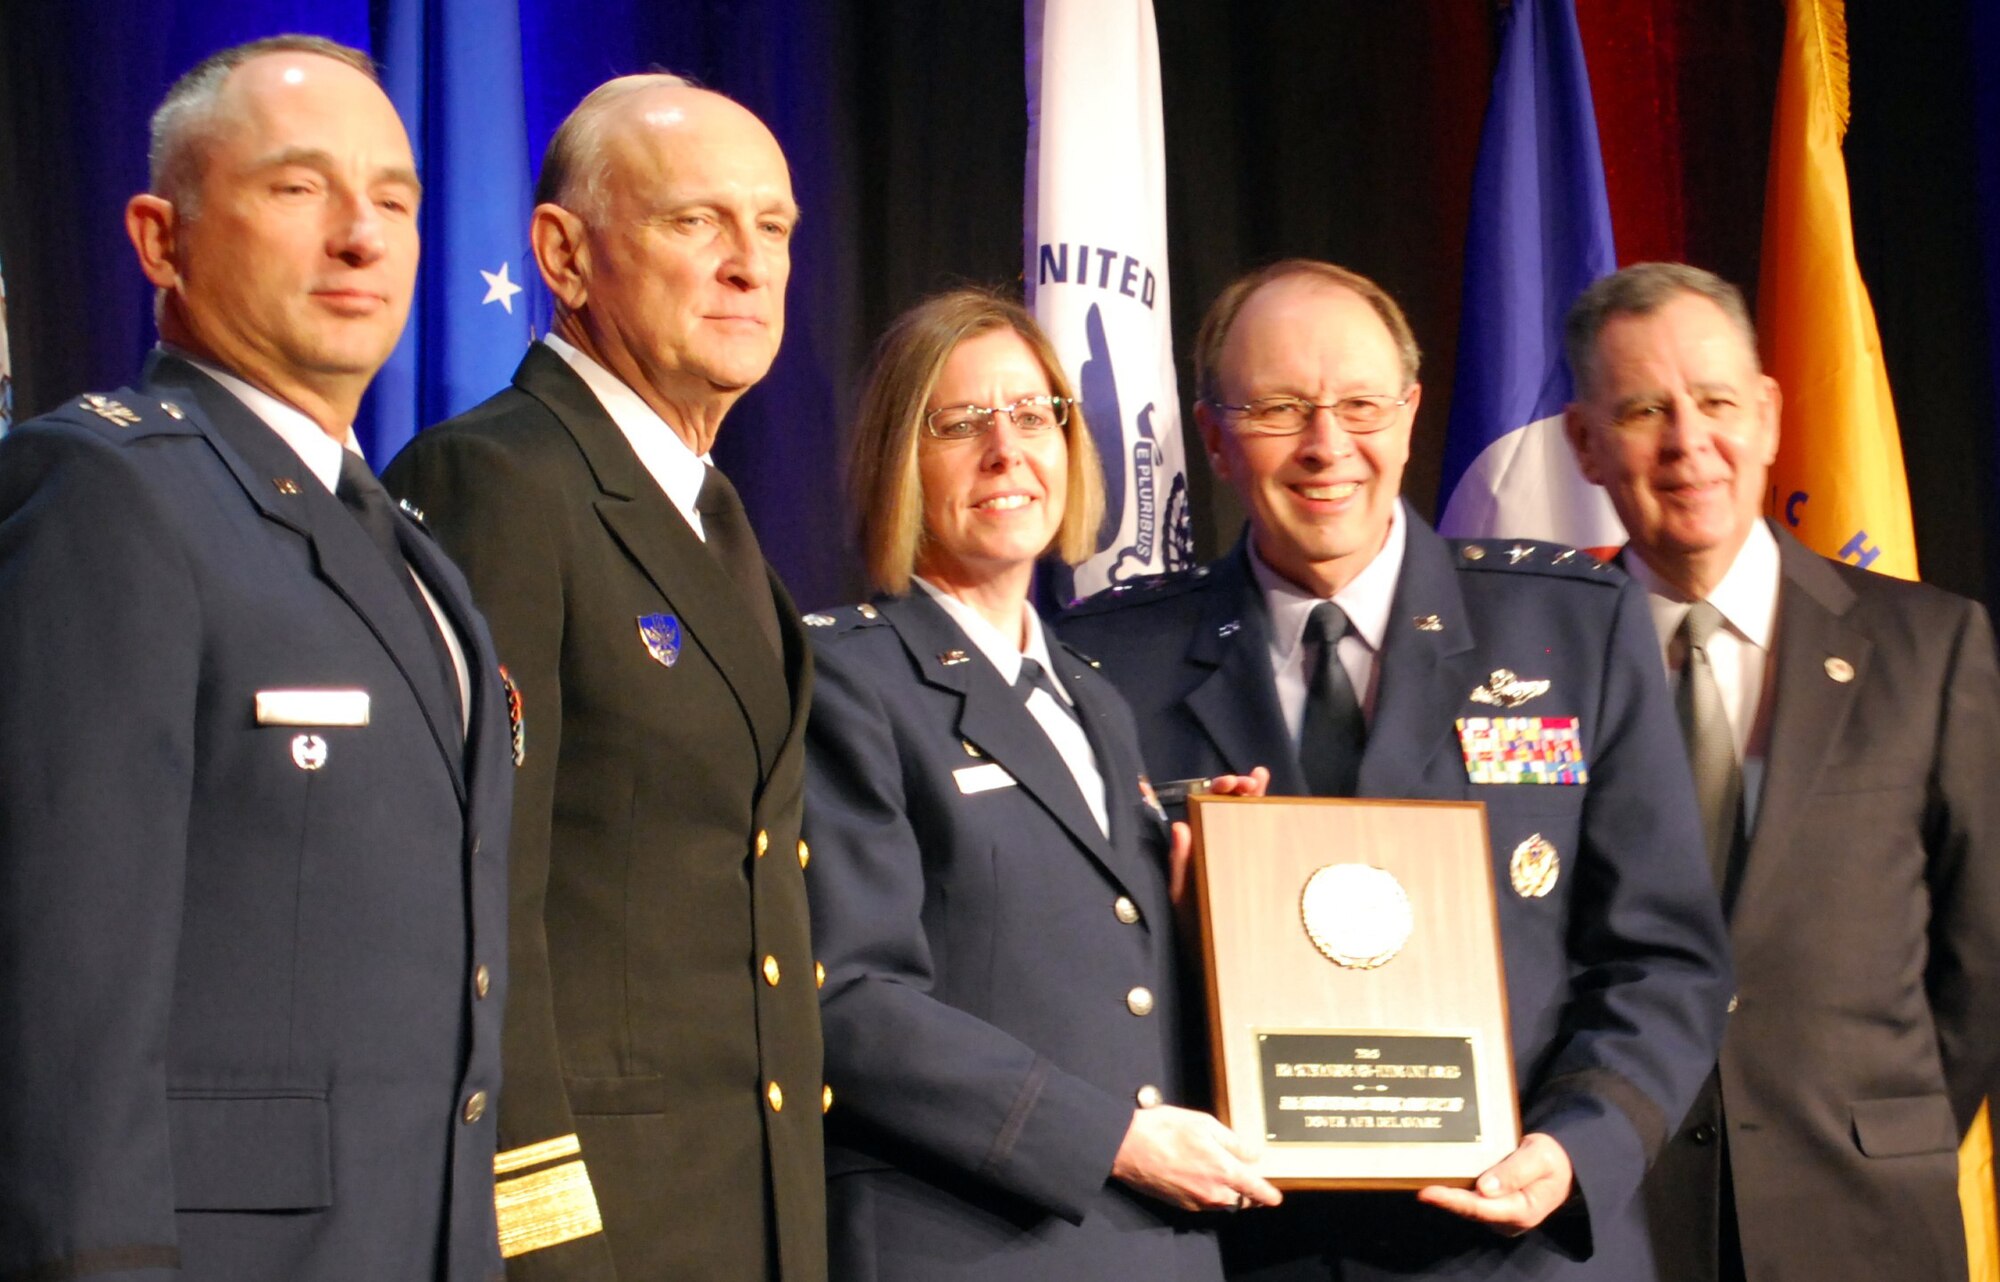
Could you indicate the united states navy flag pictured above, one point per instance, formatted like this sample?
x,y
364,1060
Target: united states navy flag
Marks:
x,y
453,69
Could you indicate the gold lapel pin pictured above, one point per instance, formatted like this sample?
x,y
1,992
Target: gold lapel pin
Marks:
x,y
1839,669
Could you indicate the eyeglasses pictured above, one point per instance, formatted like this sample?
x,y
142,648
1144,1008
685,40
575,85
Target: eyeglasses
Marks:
x,y
1290,415
1031,416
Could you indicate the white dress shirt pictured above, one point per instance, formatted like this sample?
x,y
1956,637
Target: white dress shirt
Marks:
x,y
669,460
1365,600
321,455
1065,731
1739,652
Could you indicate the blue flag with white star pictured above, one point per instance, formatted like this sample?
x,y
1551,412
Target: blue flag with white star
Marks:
x,y
453,69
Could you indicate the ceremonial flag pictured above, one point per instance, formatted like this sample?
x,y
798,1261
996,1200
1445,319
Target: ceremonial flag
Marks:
x,y
1096,269
453,69
1540,232
1838,482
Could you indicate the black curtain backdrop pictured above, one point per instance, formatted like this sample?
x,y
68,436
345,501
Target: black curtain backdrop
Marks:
x,y
1344,130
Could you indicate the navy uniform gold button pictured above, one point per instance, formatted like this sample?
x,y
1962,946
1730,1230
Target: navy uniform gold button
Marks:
x,y
1148,1096
775,1095
805,856
1126,910
763,842
475,1107
1140,1001
482,981
825,1098
819,974
770,970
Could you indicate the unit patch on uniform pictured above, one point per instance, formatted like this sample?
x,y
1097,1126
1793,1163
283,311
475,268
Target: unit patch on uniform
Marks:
x,y
662,635
1522,750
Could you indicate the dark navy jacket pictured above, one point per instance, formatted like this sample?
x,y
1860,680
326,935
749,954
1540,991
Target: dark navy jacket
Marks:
x,y
1616,978
243,1032
983,944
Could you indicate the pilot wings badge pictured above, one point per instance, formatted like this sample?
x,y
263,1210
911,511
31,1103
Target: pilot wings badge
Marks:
x,y
1505,690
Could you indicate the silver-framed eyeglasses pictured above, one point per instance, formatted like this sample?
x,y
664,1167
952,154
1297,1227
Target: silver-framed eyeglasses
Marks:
x,y
1031,416
1290,415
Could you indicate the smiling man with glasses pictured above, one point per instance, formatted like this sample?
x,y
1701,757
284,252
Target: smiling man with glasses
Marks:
x,y
1347,647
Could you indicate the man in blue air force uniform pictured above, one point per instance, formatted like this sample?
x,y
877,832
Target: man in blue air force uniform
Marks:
x,y
1354,652
254,778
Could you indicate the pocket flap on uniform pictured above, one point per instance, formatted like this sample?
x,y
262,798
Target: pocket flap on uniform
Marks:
x,y
251,1152
1901,1127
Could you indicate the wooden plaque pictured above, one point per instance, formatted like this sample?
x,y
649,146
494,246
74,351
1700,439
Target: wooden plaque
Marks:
x,y
1357,1006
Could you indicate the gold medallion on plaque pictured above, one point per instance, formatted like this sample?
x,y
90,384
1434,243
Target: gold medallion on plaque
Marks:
x,y
1358,916
1534,867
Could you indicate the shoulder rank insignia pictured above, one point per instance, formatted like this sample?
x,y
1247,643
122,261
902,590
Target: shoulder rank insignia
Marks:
x,y
1505,690
662,635
1522,750
517,720
816,620
111,411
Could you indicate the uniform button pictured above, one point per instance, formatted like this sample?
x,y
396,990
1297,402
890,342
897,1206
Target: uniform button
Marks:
x,y
482,981
1148,1096
819,974
1702,1134
825,1099
475,1107
770,970
1128,912
805,855
1140,1001
1732,1003
775,1094
763,842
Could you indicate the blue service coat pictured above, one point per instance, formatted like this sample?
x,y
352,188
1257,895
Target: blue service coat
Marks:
x,y
983,946
1617,978
251,975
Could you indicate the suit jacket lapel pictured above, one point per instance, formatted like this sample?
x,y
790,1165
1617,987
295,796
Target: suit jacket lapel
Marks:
x,y
1236,704
1421,677
342,553
639,515
992,717
1810,708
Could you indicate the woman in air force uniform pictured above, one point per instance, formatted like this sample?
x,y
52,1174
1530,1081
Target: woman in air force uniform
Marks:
x,y
988,870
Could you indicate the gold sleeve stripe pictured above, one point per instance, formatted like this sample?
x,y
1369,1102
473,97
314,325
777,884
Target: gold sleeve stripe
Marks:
x,y
545,1208
518,1159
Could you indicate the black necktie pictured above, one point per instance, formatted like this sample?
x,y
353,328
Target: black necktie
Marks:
x,y
1718,778
1332,732
360,493
1035,677
726,527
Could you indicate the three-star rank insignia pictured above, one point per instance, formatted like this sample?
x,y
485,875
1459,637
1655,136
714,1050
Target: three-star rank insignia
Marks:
x,y
517,719
1534,867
